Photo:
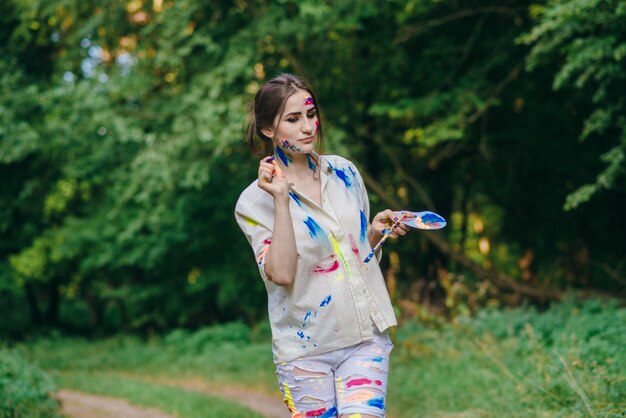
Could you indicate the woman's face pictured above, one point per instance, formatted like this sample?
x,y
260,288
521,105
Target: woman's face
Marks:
x,y
296,128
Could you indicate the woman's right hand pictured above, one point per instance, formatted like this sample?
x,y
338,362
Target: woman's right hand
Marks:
x,y
272,179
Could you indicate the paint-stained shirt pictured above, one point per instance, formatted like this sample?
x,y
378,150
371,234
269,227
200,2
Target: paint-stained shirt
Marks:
x,y
336,299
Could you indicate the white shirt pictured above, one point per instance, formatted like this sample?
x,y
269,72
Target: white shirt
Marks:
x,y
335,298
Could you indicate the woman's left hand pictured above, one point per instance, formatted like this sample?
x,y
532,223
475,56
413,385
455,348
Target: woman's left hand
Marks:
x,y
385,219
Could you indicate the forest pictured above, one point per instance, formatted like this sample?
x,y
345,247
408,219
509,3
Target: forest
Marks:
x,y
122,155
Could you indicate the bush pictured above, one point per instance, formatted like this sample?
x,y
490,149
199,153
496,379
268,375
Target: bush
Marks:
x,y
24,389
236,333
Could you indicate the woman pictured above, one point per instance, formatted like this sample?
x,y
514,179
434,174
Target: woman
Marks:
x,y
307,220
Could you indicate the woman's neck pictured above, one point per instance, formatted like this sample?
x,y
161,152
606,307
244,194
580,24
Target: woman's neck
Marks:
x,y
296,165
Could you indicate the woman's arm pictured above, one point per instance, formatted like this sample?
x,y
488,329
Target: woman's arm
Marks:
x,y
282,257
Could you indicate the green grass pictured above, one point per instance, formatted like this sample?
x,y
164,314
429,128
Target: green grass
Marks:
x,y
172,400
566,362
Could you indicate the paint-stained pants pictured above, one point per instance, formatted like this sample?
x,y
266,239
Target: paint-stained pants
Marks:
x,y
349,381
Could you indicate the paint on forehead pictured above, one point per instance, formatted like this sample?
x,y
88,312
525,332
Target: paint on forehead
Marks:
x,y
308,101
363,226
283,157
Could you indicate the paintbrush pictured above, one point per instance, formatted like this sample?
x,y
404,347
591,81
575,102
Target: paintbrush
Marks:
x,y
386,234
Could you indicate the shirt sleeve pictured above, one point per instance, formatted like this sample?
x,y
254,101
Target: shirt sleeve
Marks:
x,y
256,229
365,205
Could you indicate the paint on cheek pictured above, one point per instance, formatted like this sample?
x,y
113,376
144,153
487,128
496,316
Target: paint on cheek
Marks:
x,y
283,157
285,144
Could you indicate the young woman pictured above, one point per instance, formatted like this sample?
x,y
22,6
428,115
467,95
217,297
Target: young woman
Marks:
x,y
307,220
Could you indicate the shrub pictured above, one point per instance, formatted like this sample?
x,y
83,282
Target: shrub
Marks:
x,y
24,389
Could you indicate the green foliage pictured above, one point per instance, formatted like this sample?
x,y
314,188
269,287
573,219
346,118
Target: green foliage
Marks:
x,y
24,389
566,361
121,139
588,40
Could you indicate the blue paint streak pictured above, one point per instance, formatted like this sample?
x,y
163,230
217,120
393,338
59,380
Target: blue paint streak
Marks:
x,y
431,217
308,314
326,301
314,228
377,402
378,359
363,227
332,412
300,334
283,157
311,163
342,176
296,199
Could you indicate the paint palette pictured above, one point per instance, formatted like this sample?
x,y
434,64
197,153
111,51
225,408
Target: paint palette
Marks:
x,y
423,220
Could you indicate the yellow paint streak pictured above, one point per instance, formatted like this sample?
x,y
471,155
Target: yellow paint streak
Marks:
x,y
250,221
355,416
339,253
339,386
289,399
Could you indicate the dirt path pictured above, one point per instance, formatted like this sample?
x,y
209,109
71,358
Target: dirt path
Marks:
x,y
264,404
83,405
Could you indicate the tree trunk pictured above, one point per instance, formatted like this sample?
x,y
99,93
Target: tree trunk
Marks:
x,y
33,303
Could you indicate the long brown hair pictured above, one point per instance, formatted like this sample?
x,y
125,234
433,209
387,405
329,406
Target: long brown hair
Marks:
x,y
268,102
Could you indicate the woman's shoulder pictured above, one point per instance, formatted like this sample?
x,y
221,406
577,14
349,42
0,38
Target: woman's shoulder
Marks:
x,y
253,195
336,160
